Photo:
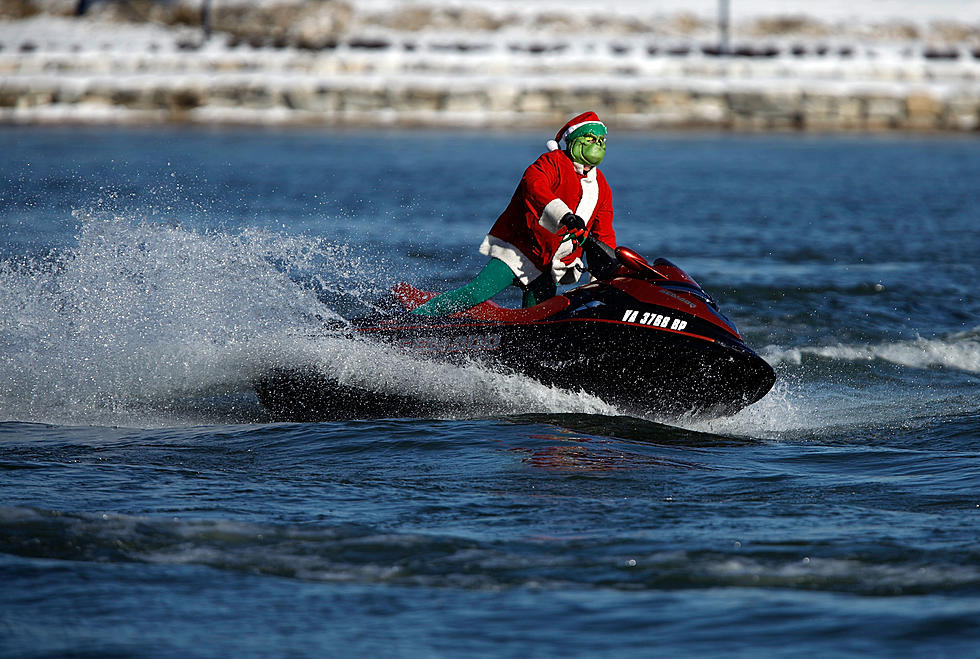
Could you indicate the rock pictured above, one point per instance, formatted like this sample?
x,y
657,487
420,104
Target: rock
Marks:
x,y
924,111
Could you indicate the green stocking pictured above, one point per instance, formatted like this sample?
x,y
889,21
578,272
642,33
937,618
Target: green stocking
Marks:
x,y
495,277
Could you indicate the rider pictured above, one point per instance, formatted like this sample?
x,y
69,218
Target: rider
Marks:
x,y
537,242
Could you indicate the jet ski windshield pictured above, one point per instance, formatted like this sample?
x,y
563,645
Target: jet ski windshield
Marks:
x,y
633,261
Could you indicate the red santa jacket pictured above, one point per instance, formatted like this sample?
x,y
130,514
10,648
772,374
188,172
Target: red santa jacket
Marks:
x,y
526,236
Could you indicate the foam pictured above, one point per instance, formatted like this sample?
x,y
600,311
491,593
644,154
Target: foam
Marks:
x,y
137,318
958,351
802,402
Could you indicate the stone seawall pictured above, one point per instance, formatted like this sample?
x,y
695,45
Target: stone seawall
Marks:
x,y
232,99
176,76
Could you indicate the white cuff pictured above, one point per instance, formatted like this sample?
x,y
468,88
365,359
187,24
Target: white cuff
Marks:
x,y
552,214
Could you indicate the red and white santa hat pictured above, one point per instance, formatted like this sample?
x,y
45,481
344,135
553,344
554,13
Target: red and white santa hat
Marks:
x,y
587,120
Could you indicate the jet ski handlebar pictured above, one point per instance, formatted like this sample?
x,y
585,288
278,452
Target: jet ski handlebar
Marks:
x,y
604,261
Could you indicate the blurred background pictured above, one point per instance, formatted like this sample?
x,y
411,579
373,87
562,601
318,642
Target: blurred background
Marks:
x,y
746,65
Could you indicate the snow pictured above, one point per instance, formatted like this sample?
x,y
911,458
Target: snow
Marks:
x,y
915,11
834,11
75,57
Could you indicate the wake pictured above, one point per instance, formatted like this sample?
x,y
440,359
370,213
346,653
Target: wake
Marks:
x,y
148,324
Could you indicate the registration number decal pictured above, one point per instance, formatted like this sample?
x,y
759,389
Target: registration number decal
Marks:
x,y
654,319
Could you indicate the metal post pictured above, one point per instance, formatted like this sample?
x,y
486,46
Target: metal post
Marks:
x,y
206,18
723,24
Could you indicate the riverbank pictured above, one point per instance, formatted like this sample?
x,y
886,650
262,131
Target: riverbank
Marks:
x,y
56,69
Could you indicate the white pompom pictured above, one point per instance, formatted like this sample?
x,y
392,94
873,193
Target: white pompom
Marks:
x,y
552,145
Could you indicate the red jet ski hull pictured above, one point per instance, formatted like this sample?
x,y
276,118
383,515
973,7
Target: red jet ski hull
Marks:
x,y
647,340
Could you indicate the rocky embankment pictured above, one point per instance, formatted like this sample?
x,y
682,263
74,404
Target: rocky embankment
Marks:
x,y
412,64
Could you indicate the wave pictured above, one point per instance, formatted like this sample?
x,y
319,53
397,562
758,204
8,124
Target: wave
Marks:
x,y
830,397
361,554
960,351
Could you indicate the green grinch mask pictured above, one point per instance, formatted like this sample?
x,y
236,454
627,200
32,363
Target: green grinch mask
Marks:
x,y
588,149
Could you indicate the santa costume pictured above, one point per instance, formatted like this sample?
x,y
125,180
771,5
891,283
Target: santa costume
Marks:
x,y
528,237
536,242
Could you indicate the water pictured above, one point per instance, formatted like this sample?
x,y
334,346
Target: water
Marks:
x,y
150,507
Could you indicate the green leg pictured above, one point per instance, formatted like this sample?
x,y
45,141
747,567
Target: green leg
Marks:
x,y
495,277
539,290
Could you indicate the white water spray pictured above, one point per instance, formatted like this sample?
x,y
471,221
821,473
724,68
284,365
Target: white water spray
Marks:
x,y
138,318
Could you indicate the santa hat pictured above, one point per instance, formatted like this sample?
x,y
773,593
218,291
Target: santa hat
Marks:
x,y
587,122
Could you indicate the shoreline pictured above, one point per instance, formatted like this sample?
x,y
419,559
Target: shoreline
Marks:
x,y
80,71
736,108
530,132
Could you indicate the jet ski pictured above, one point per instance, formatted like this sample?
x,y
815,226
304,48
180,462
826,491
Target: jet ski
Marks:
x,y
643,337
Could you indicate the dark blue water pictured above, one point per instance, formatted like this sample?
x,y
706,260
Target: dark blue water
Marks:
x,y
149,506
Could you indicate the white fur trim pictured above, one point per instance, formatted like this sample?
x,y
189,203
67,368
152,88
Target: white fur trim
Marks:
x,y
552,145
569,273
552,214
519,264
590,196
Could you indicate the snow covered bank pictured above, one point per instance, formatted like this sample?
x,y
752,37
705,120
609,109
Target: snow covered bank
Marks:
x,y
483,63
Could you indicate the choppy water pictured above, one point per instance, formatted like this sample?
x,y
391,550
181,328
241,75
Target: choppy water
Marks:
x,y
150,507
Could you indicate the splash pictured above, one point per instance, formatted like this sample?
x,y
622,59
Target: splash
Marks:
x,y
830,388
137,312
140,322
